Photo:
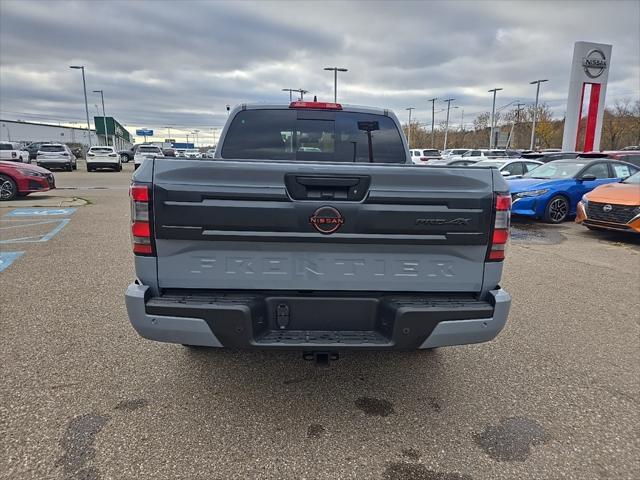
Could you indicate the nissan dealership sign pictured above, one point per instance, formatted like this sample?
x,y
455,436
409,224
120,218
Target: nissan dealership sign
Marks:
x,y
587,94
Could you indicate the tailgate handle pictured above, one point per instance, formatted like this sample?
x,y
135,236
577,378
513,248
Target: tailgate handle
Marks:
x,y
302,187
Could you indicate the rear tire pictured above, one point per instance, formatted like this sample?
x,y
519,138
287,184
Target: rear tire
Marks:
x,y
8,188
69,168
119,168
557,210
89,169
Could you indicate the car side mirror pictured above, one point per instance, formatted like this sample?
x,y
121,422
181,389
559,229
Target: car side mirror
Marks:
x,y
505,173
587,178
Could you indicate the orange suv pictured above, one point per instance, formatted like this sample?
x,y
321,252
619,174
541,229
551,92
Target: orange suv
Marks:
x,y
614,206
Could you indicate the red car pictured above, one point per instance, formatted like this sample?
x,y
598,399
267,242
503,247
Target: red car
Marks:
x,y
20,179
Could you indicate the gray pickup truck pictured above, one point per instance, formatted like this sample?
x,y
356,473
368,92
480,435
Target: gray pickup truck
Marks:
x,y
312,230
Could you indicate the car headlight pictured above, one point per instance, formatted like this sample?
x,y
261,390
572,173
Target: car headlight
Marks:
x,y
585,201
31,173
532,193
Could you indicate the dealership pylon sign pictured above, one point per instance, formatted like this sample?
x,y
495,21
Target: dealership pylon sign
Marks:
x,y
589,75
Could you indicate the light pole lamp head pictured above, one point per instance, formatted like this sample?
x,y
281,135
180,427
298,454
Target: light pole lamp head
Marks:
x,y
538,81
77,66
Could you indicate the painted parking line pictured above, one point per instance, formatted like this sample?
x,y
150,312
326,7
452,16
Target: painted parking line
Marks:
x,y
46,230
7,258
40,212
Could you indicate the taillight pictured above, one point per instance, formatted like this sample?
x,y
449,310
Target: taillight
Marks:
x,y
500,234
14,154
141,220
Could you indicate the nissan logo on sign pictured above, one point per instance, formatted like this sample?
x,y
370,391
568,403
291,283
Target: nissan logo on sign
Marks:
x,y
594,63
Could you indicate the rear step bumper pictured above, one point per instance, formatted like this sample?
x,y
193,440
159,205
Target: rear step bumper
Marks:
x,y
330,322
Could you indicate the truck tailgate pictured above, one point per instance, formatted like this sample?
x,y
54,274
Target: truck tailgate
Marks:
x,y
251,225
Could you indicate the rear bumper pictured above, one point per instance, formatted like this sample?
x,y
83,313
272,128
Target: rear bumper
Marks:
x,y
248,320
103,163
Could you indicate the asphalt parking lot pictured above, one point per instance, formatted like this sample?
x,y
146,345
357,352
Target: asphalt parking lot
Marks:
x,y
556,395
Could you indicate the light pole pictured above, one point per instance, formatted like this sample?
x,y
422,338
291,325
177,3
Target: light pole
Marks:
x,y
335,80
104,117
195,132
433,119
535,112
290,90
86,104
493,114
462,121
409,127
446,127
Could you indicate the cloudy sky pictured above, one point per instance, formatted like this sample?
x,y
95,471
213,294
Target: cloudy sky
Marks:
x,y
179,63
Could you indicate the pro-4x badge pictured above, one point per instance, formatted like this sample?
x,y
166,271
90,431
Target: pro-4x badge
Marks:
x,y
326,220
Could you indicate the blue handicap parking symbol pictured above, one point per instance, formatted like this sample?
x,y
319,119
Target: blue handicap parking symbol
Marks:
x,y
7,258
40,212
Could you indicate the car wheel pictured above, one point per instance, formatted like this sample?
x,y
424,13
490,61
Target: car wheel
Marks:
x,y
119,168
75,166
89,169
557,210
124,158
68,168
8,188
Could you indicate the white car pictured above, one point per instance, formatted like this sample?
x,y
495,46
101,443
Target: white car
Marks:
x,y
454,152
421,156
146,151
192,153
103,157
209,153
56,155
13,152
510,167
481,154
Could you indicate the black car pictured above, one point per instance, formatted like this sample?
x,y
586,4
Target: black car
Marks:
x,y
547,157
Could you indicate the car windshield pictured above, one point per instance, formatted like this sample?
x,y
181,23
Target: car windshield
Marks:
x,y
148,149
556,170
101,150
52,148
193,150
310,135
431,152
633,179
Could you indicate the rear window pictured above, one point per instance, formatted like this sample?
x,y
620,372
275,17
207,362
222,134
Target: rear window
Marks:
x,y
149,149
6,146
52,148
101,150
498,153
431,153
314,136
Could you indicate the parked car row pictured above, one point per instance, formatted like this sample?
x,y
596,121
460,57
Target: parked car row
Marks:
x,y
551,192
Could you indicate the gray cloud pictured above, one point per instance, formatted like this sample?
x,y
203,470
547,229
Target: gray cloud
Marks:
x,y
178,63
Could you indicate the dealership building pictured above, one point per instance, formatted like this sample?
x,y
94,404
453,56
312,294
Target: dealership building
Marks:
x,y
27,132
